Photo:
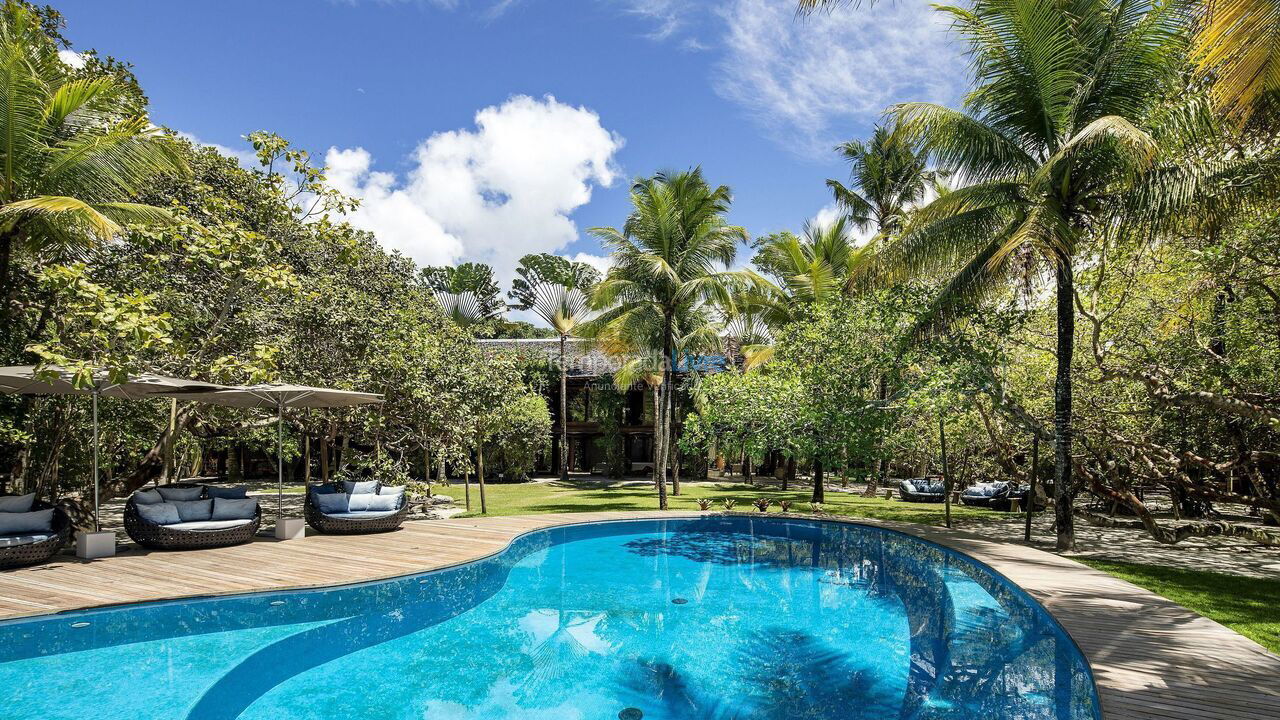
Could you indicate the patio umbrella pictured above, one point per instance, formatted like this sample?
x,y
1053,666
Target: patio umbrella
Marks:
x,y
280,397
23,380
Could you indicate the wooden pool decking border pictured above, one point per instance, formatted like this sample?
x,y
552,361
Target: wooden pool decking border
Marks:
x,y
1151,658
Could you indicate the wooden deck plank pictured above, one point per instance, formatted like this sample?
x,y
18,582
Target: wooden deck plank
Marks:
x,y
1151,659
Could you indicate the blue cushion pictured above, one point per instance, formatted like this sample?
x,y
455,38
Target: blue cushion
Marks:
x,y
193,510
160,513
330,503
364,515
147,497
231,493
174,494
36,521
17,503
234,508
323,489
17,539
375,503
360,488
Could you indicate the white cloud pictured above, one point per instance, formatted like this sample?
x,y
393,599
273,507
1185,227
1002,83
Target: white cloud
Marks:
x,y
243,155
599,262
806,80
71,58
489,194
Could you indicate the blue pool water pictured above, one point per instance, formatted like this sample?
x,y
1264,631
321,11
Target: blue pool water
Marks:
x,y
721,618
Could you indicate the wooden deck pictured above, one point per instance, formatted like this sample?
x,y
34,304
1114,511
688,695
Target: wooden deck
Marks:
x,y
1152,659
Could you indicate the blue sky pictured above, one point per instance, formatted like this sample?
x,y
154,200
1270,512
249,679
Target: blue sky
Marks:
x,y
439,113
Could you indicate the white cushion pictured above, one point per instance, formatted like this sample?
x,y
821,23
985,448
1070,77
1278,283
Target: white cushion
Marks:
x,y
360,515
172,494
208,525
229,509
360,488
194,510
391,490
160,513
17,503
18,523
16,540
147,497
373,503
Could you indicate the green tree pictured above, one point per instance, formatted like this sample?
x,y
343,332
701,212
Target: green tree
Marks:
x,y
558,291
889,175
667,266
1050,140
71,163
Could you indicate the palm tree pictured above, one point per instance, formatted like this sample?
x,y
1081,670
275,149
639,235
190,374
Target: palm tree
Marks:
x,y
558,291
889,176
467,293
69,159
1238,44
1049,144
667,264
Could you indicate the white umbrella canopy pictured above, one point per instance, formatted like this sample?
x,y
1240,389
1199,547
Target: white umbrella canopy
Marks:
x,y
279,397
55,380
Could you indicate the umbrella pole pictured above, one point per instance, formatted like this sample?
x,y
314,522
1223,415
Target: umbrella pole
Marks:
x,y
279,459
97,526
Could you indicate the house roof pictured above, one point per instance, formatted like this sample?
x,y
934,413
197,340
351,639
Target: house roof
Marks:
x,y
584,358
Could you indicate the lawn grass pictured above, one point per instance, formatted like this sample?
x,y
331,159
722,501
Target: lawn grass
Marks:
x,y
596,495
1247,605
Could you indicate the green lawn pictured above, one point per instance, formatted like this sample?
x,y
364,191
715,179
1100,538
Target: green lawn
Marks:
x,y
1247,605
587,496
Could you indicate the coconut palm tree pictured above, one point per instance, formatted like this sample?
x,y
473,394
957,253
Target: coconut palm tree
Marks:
x,y
669,259
467,293
1238,44
889,176
1049,143
558,291
70,160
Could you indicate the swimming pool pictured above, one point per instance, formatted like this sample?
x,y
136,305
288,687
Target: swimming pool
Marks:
x,y
716,618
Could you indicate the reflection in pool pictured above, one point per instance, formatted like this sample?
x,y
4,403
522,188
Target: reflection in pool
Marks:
x,y
780,619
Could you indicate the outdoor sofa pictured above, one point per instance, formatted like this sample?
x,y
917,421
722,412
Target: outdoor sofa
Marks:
x,y
922,490
996,495
191,517
356,507
31,531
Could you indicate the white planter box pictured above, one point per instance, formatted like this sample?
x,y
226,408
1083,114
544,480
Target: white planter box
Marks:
x,y
91,545
290,528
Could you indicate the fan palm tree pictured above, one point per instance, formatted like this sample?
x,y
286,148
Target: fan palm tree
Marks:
x,y
467,293
1049,144
70,161
558,291
669,259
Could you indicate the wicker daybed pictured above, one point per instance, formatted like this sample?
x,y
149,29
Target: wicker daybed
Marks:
x,y
22,553
922,490
175,537
352,523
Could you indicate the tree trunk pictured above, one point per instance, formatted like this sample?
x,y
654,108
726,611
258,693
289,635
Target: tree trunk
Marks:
x,y
790,478
426,467
946,471
1063,487
668,345
306,458
564,413
169,467
480,473
675,469
746,467
819,491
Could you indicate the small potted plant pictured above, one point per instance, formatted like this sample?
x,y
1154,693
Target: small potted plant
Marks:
x,y
762,504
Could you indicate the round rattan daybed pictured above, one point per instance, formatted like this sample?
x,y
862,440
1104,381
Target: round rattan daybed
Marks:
x,y
330,525
37,552
162,537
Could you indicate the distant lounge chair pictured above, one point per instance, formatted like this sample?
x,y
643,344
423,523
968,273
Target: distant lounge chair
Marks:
x,y
191,517
31,531
922,490
985,494
357,508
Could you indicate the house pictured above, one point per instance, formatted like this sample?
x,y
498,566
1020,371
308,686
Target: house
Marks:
x,y
589,371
